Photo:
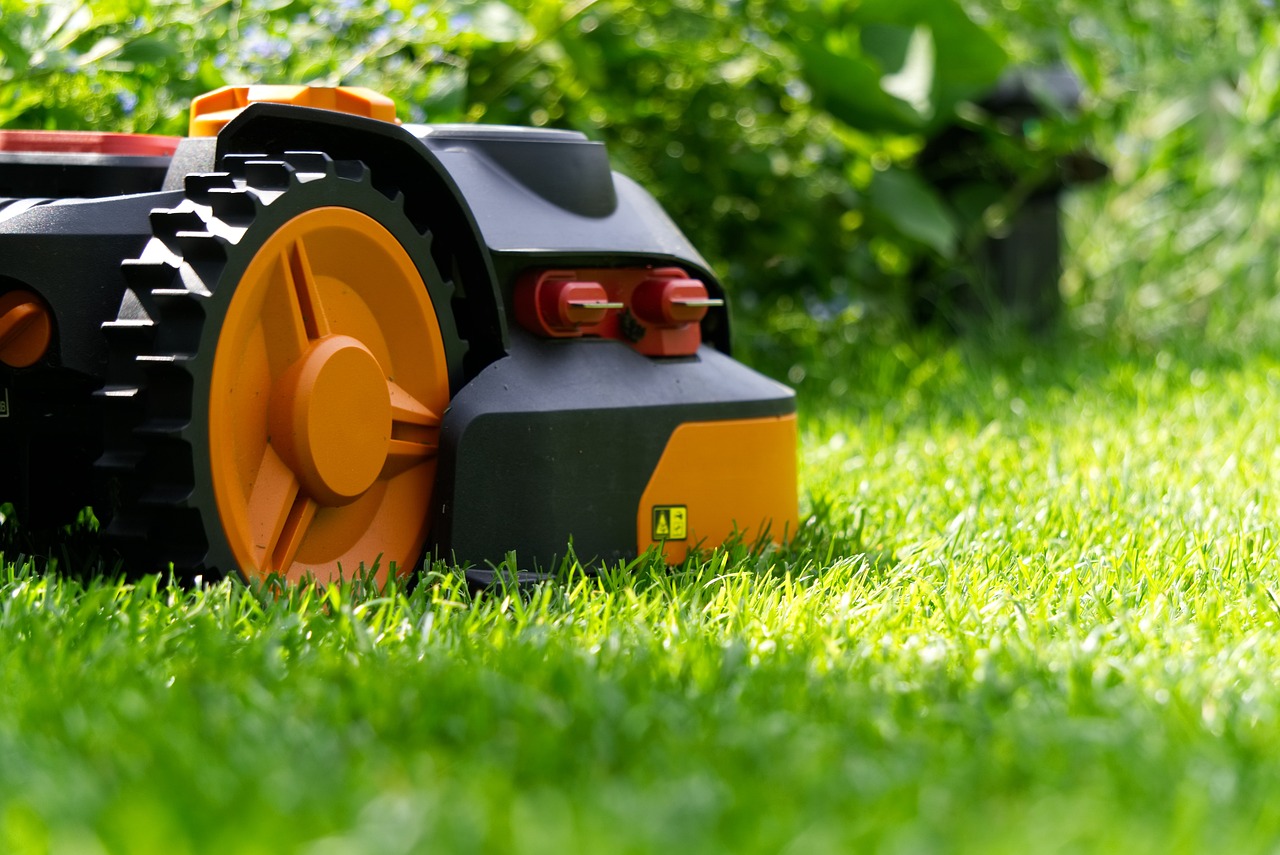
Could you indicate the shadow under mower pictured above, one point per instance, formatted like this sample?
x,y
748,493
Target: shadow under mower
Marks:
x,y
308,339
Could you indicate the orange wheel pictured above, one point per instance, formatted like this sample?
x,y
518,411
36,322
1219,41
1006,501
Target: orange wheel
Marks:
x,y
279,368
328,385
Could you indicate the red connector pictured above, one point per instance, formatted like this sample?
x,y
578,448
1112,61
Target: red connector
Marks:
x,y
657,311
561,307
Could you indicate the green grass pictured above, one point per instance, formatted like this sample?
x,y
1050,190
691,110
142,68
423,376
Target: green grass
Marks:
x,y
1035,611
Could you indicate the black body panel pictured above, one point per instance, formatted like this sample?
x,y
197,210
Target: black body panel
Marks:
x,y
81,176
567,198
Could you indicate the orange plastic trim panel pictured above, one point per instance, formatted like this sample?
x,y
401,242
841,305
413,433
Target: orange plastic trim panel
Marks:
x,y
26,329
328,385
717,479
211,112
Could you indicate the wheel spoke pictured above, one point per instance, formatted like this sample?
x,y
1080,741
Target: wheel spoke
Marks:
x,y
414,431
407,410
283,323
403,455
301,513
279,512
302,279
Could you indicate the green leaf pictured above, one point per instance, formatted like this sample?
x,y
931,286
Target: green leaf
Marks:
x,y
496,22
912,82
1087,64
968,60
74,21
102,49
18,105
848,86
914,209
894,65
148,50
12,53
209,76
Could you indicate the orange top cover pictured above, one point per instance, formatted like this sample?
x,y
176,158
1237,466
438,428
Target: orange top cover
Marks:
x,y
211,111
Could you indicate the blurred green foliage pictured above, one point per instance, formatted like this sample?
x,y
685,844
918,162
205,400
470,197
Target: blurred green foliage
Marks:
x,y
781,136
784,137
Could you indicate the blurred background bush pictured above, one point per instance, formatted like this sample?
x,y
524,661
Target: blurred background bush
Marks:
x,y
784,136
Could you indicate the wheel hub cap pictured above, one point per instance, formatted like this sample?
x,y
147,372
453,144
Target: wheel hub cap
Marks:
x,y
331,419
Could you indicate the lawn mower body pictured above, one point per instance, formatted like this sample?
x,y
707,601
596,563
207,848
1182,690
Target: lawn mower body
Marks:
x,y
313,339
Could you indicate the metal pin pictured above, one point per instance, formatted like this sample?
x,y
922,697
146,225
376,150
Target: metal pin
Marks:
x,y
704,303
594,304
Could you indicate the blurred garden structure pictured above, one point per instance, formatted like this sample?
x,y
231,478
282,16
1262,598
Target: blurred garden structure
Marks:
x,y
1005,190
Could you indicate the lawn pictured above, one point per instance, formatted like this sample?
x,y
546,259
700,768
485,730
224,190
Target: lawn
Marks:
x,y
1034,610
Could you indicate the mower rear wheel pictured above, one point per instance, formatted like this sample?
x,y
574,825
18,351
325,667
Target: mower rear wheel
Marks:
x,y
327,389
287,345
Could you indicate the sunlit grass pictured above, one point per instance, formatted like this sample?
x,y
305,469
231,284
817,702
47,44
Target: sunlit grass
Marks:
x,y
1035,607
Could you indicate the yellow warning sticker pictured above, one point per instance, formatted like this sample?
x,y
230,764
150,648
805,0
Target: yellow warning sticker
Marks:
x,y
670,522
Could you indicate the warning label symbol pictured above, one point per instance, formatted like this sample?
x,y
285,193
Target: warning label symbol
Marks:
x,y
670,522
